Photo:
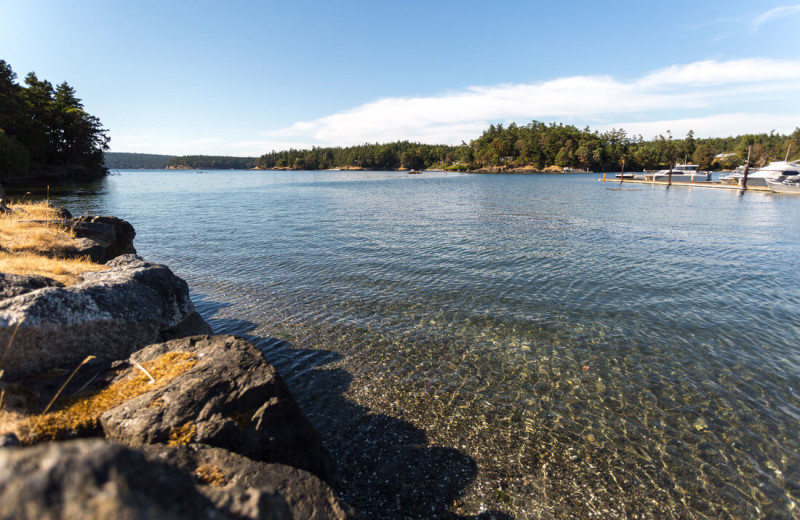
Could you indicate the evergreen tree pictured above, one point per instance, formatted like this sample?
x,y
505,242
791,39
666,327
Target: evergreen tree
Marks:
x,y
45,131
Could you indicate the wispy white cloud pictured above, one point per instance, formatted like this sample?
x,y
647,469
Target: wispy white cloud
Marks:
x,y
773,14
710,73
713,98
705,89
713,125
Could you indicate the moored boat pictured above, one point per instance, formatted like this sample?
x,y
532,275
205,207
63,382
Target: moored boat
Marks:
x,y
788,184
774,171
734,176
683,173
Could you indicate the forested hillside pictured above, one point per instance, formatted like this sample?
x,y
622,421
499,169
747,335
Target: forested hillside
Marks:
x,y
136,161
388,156
45,133
212,162
538,145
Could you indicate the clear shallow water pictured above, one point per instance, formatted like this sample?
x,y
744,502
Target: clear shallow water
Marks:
x,y
544,346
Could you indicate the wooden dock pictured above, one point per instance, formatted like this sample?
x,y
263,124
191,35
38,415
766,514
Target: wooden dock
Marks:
x,y
704,184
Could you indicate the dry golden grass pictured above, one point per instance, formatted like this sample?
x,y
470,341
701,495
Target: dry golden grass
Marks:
x,y
66,271
34,210
81,414
32,248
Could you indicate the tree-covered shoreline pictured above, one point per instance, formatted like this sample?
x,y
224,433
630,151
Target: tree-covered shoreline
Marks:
x,y
45,133
136,161
540,147
535,147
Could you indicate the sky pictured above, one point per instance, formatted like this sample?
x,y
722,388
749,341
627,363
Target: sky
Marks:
x,y
244,78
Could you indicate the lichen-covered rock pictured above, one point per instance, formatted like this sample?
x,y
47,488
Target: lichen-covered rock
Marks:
x,y
227,478
110,314
13,284
231,398
95,479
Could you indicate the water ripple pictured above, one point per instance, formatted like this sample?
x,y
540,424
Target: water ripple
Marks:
x,y
615,354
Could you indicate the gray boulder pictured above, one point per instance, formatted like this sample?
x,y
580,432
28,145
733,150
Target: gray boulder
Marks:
x,y
99,479
227,479
92,479
104,237
13,285
231,398
110,314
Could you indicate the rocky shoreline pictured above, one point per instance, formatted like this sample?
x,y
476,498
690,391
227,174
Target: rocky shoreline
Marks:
x,y
156,417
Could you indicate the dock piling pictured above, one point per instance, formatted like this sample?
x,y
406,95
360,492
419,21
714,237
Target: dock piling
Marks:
x,y
743,182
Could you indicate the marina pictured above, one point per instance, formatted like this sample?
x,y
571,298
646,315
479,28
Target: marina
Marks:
x,y
777,177
696,184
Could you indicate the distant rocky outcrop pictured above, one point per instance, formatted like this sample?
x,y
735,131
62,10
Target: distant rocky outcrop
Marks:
x,y
113,236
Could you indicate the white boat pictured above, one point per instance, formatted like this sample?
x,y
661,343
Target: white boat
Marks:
x,y
734,176
788,184
771,172
683,173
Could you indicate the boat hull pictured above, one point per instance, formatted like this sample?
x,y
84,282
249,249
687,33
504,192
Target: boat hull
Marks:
x,y
780,187
682,177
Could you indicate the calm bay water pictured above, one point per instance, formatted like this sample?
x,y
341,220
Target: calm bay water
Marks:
x,y
542,346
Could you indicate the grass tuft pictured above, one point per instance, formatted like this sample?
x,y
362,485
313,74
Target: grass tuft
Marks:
x,y
28,247
80,415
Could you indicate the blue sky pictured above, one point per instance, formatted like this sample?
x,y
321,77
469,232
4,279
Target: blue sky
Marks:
x,y
244,78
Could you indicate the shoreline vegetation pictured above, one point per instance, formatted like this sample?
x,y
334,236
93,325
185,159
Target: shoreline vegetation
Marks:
x,y
45,133
533,148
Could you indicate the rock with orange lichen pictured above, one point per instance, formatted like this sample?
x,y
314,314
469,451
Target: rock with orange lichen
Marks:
x,y
94,478
230,398
226,478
